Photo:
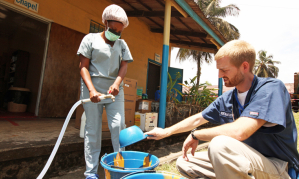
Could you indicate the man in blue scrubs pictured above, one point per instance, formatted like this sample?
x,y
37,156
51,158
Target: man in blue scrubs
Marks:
x,y
257,137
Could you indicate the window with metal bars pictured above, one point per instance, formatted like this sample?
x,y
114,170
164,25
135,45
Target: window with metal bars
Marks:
x,y
96,27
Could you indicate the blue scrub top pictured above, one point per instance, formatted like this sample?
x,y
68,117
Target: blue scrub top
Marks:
x,y
267,99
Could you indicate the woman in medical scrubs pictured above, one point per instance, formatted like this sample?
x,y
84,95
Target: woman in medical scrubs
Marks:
x,y
103,65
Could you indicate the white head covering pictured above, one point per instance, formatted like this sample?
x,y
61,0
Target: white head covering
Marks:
x,y
116,13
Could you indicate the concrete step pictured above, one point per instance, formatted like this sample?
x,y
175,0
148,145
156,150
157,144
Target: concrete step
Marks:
x,y
25,149
25,146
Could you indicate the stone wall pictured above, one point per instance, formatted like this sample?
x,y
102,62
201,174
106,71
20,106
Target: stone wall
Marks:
x,y
178,112
28,162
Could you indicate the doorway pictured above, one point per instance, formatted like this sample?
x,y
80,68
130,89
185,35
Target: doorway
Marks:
x,y
173,73
23,42
153,78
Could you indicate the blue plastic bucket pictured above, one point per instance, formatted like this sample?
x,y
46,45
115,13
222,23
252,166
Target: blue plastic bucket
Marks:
x,y
151,175
130,136
119,164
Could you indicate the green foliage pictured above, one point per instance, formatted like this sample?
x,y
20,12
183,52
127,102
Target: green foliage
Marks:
x,y
168,167
265,65
198,94
216,14
171,91
208,83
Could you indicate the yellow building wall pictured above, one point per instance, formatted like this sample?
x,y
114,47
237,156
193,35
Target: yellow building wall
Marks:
x,y
77,14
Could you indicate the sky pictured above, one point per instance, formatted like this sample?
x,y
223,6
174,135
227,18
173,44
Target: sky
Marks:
x,y
267,25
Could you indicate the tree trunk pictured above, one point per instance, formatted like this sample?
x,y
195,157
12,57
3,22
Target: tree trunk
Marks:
x,y
198,73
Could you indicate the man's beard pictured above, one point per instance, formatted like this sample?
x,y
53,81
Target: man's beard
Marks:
x,y
237,79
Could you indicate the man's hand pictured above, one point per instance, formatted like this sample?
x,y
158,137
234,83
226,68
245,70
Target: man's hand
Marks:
x,y
158,133
189,142
95,96
114,89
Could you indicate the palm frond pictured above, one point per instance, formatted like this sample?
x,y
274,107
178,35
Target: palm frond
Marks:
x,y
228,30
265,65
214,12
277,62
229,10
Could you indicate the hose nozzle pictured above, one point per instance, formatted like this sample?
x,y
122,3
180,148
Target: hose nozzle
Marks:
x,y
101,97
108,96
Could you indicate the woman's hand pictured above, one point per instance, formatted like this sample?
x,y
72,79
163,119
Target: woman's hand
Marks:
x,y
114,89
189,143
95,96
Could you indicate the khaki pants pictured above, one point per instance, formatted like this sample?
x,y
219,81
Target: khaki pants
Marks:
x,y
228,158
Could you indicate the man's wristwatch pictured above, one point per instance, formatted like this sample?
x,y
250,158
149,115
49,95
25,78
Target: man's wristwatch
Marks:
x,y
192,134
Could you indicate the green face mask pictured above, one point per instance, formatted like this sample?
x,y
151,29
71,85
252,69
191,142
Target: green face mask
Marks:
x,y
111,36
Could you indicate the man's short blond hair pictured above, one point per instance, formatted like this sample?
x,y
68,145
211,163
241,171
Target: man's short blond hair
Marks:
x,y
238,52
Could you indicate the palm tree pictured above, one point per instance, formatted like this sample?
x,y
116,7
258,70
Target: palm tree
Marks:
x,y
213,11
265,66
198,56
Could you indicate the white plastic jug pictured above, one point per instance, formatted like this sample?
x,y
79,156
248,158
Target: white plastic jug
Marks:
x,y
82,127
151,121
